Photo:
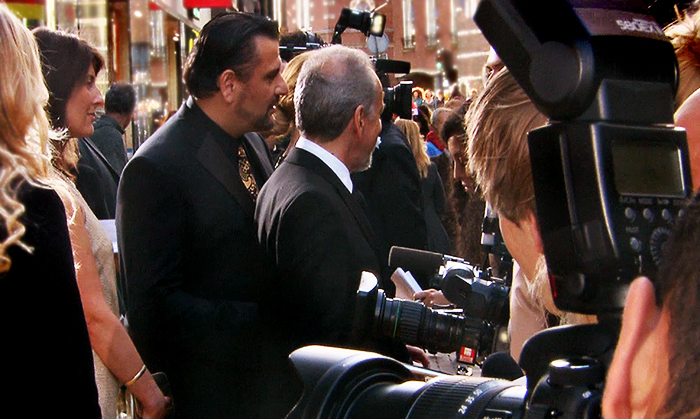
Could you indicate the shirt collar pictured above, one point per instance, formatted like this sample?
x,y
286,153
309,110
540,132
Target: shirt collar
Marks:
x,y
337,166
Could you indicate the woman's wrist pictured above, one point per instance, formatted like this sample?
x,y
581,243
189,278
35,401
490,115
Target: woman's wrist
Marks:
x,y
136,377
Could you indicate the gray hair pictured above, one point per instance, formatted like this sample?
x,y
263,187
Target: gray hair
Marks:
x,y
435,116
333,82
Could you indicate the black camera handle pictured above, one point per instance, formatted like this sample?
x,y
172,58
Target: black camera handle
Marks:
x,y
566,367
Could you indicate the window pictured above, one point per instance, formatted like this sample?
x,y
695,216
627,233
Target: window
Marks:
x,y
409,28
431,19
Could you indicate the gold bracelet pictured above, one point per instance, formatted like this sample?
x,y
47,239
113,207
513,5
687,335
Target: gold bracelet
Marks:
x,y
138,375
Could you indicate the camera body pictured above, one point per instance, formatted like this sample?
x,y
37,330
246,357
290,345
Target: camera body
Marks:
x,y
476,292
412,323
613,191
610,171
481,297
397,99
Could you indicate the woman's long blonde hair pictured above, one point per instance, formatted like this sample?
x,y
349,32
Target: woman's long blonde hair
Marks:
x,y
24,126
411,130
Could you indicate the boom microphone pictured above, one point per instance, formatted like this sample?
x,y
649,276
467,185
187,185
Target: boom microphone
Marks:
x,y
419,262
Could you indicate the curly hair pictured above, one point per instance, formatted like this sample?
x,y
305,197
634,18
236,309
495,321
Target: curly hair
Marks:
x,y
24,127
284,112
685,37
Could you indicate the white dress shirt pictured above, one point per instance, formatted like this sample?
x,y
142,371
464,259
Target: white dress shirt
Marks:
x,y
337,166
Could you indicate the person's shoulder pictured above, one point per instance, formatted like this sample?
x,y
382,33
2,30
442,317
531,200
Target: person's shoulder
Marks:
x,y
289,178
171,139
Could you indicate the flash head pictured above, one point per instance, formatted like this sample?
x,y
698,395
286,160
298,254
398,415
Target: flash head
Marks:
x,y
369,23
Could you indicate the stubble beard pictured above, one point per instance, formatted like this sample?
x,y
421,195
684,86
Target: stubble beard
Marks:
x,y
366,164
264,123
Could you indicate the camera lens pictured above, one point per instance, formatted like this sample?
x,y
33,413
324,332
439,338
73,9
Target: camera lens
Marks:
x,y
415,324
342,383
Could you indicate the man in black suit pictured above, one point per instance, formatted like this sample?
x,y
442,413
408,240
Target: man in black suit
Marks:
x,y
310,219
392,189
185,223
97,180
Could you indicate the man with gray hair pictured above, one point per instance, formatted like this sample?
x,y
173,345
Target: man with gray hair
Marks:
x,y
311,223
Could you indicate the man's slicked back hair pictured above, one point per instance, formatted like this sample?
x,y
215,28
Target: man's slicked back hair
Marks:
x,y
225,43
120,99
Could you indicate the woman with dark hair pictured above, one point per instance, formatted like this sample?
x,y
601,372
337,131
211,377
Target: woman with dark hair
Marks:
x,y
49,362
70,66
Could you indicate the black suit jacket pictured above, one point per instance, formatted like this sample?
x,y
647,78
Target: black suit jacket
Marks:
x,y
317,235
45,329
108,138
392,189
192,265
97,180
320,240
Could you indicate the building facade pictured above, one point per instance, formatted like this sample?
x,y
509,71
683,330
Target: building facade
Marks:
x,y
145,42
417,31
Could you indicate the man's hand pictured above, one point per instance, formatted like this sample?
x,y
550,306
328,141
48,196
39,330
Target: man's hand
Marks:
x,y
418,355
431,297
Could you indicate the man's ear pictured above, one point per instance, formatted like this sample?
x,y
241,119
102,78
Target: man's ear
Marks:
x,y
358,118
228,84
640,318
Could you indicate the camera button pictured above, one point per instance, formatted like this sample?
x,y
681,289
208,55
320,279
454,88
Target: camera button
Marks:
x,y
666,214
630,214
635,244
648,214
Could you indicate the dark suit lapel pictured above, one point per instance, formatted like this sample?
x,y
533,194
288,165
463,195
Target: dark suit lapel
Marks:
x,y
93,148
316,165
214,159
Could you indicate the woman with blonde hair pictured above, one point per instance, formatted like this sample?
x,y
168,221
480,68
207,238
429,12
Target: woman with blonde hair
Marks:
x,y
48,351
684,34
285,134
70,66
434,204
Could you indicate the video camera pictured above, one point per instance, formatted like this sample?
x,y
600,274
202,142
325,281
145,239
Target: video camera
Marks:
x,y
397,99
475,291
611,175
472,330
412,323
296,43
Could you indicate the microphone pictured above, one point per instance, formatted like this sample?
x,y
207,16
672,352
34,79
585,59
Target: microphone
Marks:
x,y
421,262
501,365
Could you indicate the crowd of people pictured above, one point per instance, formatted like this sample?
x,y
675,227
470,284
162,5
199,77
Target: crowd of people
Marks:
x,y
246,222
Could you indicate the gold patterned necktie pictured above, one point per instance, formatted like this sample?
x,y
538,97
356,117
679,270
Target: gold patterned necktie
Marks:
x,y
246,173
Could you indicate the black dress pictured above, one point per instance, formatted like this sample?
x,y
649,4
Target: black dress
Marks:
x,y
48,358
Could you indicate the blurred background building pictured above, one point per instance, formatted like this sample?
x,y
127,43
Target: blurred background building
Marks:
x,y
145,42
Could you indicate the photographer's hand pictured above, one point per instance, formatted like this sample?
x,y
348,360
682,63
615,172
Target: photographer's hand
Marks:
x,y
431,297
418,355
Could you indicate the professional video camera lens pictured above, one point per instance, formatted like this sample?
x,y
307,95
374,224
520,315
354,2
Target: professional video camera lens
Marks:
x,y
415,324
342,383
